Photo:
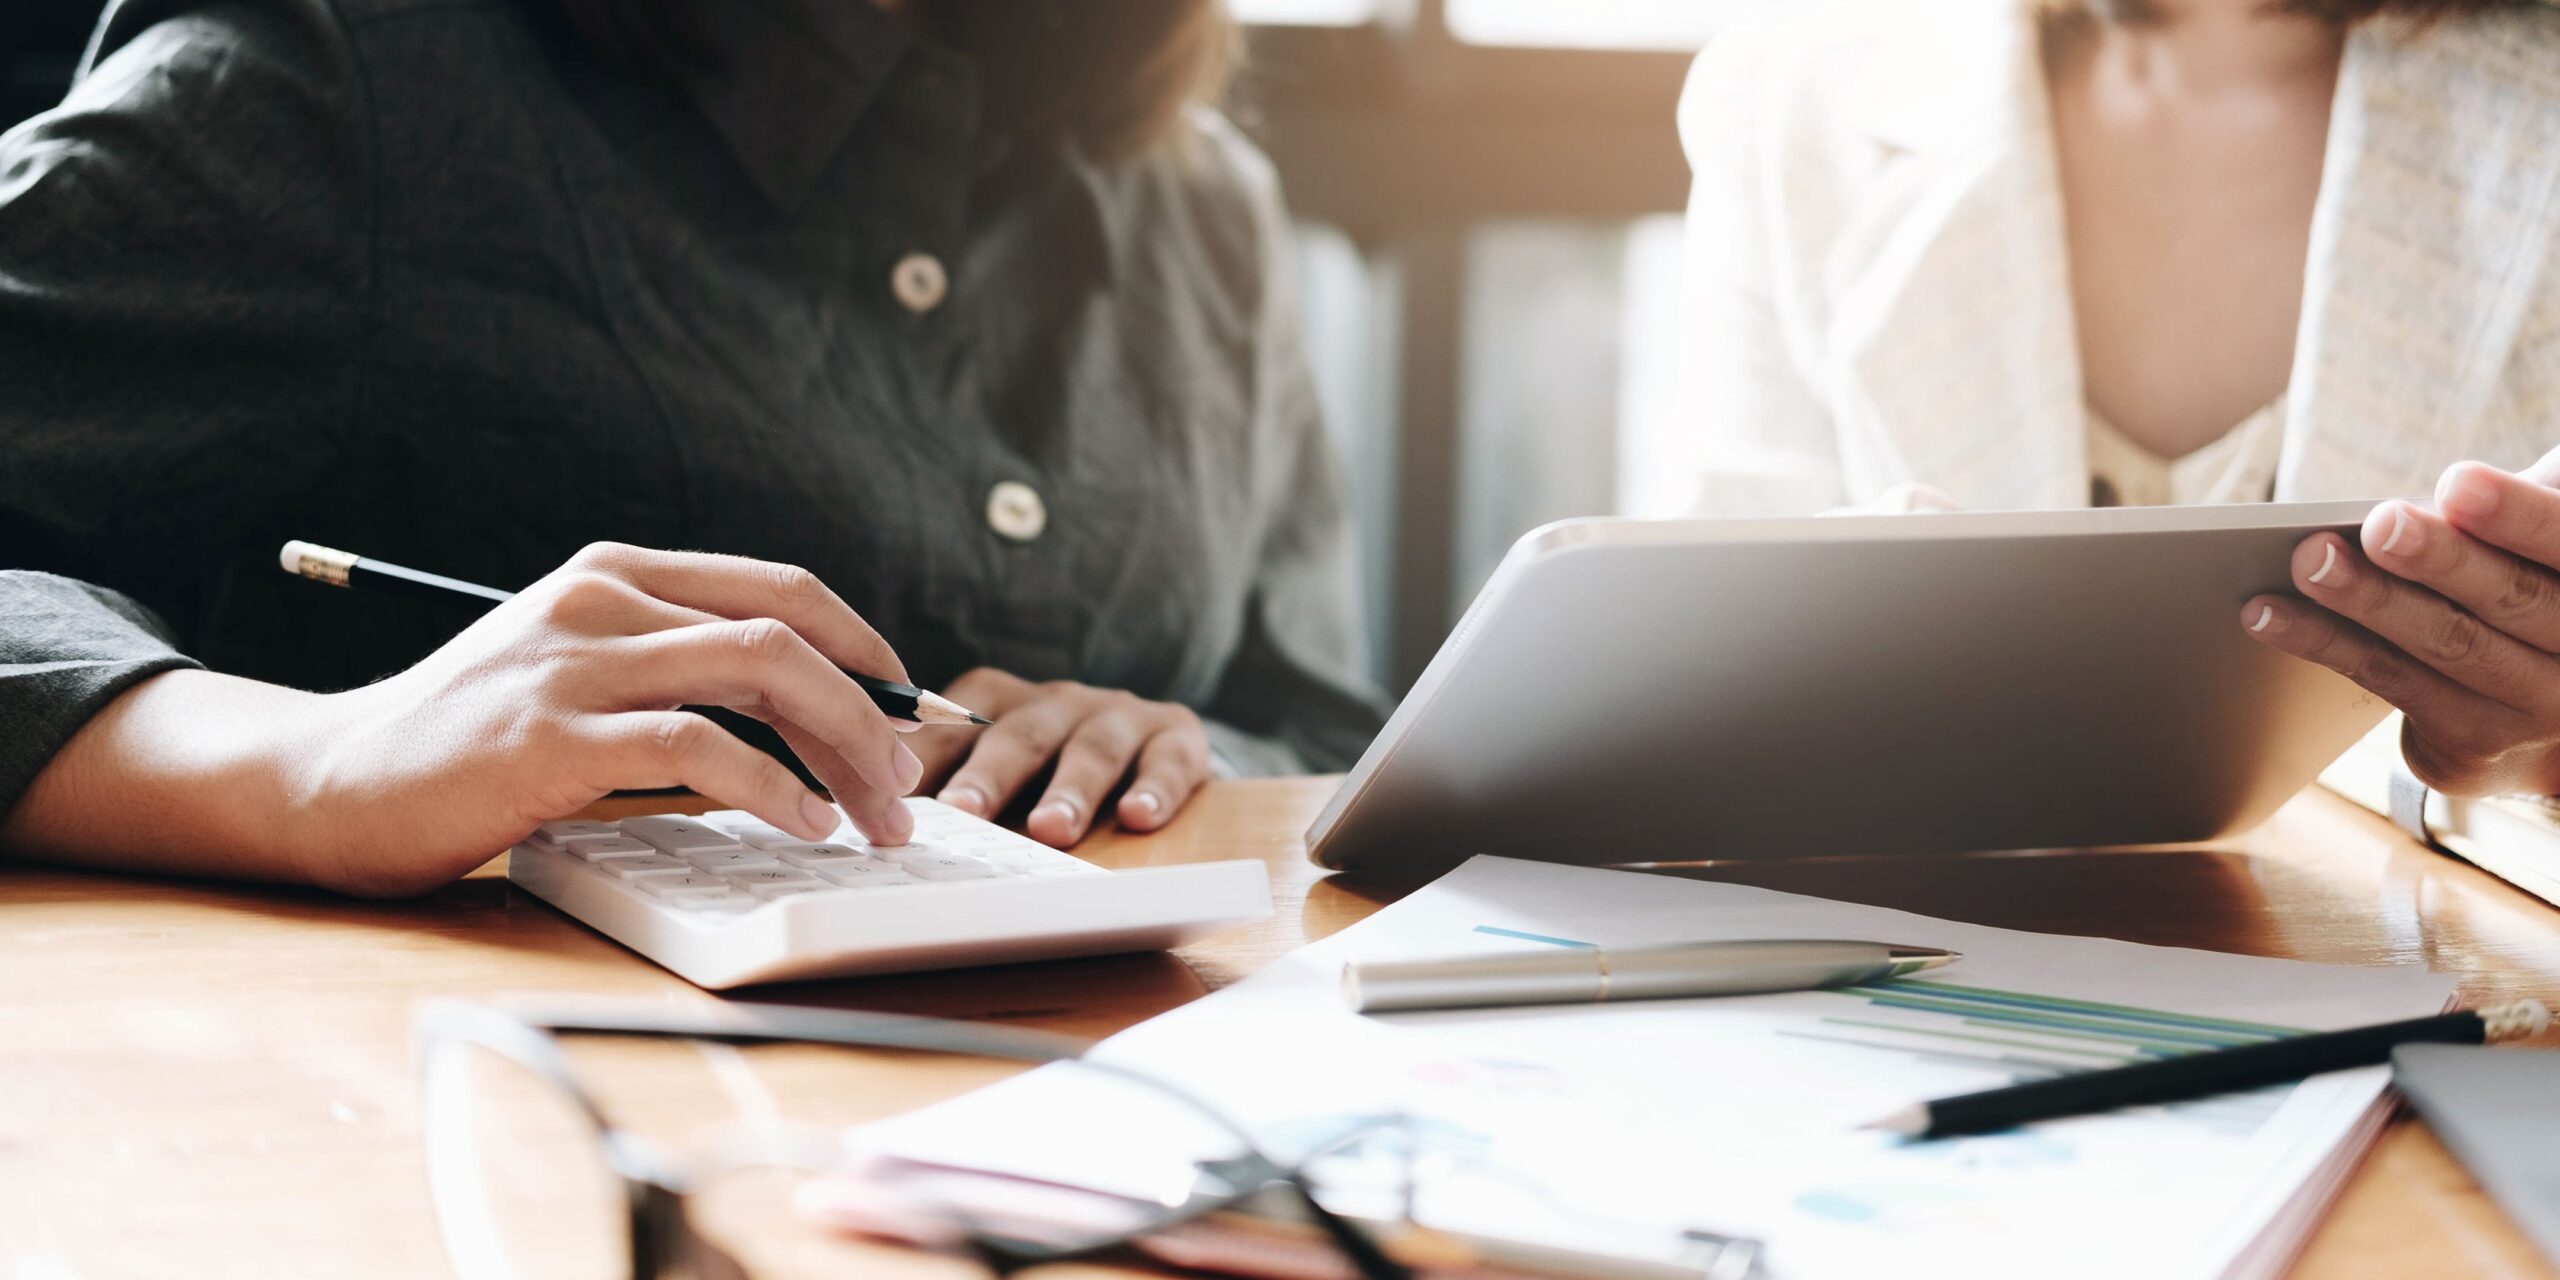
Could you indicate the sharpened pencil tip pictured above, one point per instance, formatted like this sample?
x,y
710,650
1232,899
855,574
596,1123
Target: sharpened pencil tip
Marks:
x,y
933,708
1906,1122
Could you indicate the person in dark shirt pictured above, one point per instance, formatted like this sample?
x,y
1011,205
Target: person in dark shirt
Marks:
x,y
953,340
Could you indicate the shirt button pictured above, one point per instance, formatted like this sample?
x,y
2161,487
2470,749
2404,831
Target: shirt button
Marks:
x,y
1014,510
920,282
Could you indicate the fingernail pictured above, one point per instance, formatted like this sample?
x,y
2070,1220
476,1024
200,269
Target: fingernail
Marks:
x,y
909,769
2328,561
965,799
2266,618
906,726
2468,491
1142,805
2400,528
821,815
1057,811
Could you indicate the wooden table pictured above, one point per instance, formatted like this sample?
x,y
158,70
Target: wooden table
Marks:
x,y
205,1079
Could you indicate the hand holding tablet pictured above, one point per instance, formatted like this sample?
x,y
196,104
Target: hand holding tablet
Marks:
x,y
2450,613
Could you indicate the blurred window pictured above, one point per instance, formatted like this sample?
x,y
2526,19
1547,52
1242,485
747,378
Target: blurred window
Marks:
x,y
1492,280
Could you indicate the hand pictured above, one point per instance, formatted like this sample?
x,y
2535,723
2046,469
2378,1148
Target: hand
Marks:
x,y
1905,499
1095,737
2450,614
564,693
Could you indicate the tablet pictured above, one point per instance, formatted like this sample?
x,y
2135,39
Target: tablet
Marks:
x,y
1646,691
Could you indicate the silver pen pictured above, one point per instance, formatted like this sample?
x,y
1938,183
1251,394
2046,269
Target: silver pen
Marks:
x,y
1589,975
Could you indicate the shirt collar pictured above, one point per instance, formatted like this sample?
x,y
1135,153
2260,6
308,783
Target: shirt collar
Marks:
x,y
1107,206
786,81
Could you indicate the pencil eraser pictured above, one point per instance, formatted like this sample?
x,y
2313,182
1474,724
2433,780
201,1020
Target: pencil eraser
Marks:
x,y
291,556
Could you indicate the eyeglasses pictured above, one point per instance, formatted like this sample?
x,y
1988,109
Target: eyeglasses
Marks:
x,y
530,1177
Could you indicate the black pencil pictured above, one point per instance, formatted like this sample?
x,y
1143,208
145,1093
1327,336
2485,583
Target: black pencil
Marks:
x,y
342,569
2213,1071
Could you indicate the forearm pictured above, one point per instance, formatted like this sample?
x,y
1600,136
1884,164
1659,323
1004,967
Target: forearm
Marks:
x,y
188,773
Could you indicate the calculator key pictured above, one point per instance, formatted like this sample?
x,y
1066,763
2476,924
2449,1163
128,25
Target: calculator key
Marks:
x,y
553,835
865,873
670,886
818,855
714,901
676,835
947,866
732,859
770,875
747,829
610,847
656,864
769,892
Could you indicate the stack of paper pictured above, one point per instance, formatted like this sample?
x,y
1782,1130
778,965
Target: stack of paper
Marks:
x,y
1618,1128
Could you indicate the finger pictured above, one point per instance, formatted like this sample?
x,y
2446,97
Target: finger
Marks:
x,y
647,749
2498,587
883,819
2452,764
1092,762
2422,624
2503,510
1909,498
1171,767
1006,756
990,692
941,748
593,603
2544,470
764,668
2454,714
737,587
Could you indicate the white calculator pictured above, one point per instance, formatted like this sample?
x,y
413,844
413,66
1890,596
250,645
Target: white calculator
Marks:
x,y
724,899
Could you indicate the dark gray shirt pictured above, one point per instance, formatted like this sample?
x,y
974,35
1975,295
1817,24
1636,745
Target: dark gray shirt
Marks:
x,y
420,279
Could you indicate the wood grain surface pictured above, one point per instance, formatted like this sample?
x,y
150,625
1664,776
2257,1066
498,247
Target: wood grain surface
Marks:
x,y
203,1079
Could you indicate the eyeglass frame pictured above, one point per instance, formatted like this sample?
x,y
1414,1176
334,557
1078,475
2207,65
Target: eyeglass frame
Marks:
x,y
663,1244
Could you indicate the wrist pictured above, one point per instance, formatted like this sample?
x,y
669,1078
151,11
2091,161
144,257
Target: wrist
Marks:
x,y
191,773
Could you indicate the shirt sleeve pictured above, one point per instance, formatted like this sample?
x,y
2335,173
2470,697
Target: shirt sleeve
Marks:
x,y
183,291
66,650
1294,697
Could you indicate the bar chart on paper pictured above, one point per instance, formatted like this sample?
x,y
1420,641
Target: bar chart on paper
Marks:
x,y
2033,1037
2021,1035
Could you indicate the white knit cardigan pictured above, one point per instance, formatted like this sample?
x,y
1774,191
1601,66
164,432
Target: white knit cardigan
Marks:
x,y
1877,285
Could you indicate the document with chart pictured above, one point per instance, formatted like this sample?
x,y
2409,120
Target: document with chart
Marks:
x,y
1624,1128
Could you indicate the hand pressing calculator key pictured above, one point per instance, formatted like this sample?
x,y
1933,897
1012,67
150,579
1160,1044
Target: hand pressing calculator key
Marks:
x,y
724,899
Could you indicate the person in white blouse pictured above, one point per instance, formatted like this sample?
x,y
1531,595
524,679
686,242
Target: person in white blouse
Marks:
x,y
2004,254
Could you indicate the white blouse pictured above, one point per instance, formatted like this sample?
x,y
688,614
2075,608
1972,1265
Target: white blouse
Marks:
x,y
1877,285
2238,466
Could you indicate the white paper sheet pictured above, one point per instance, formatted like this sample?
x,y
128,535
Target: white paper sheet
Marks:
x,y
1617,1127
